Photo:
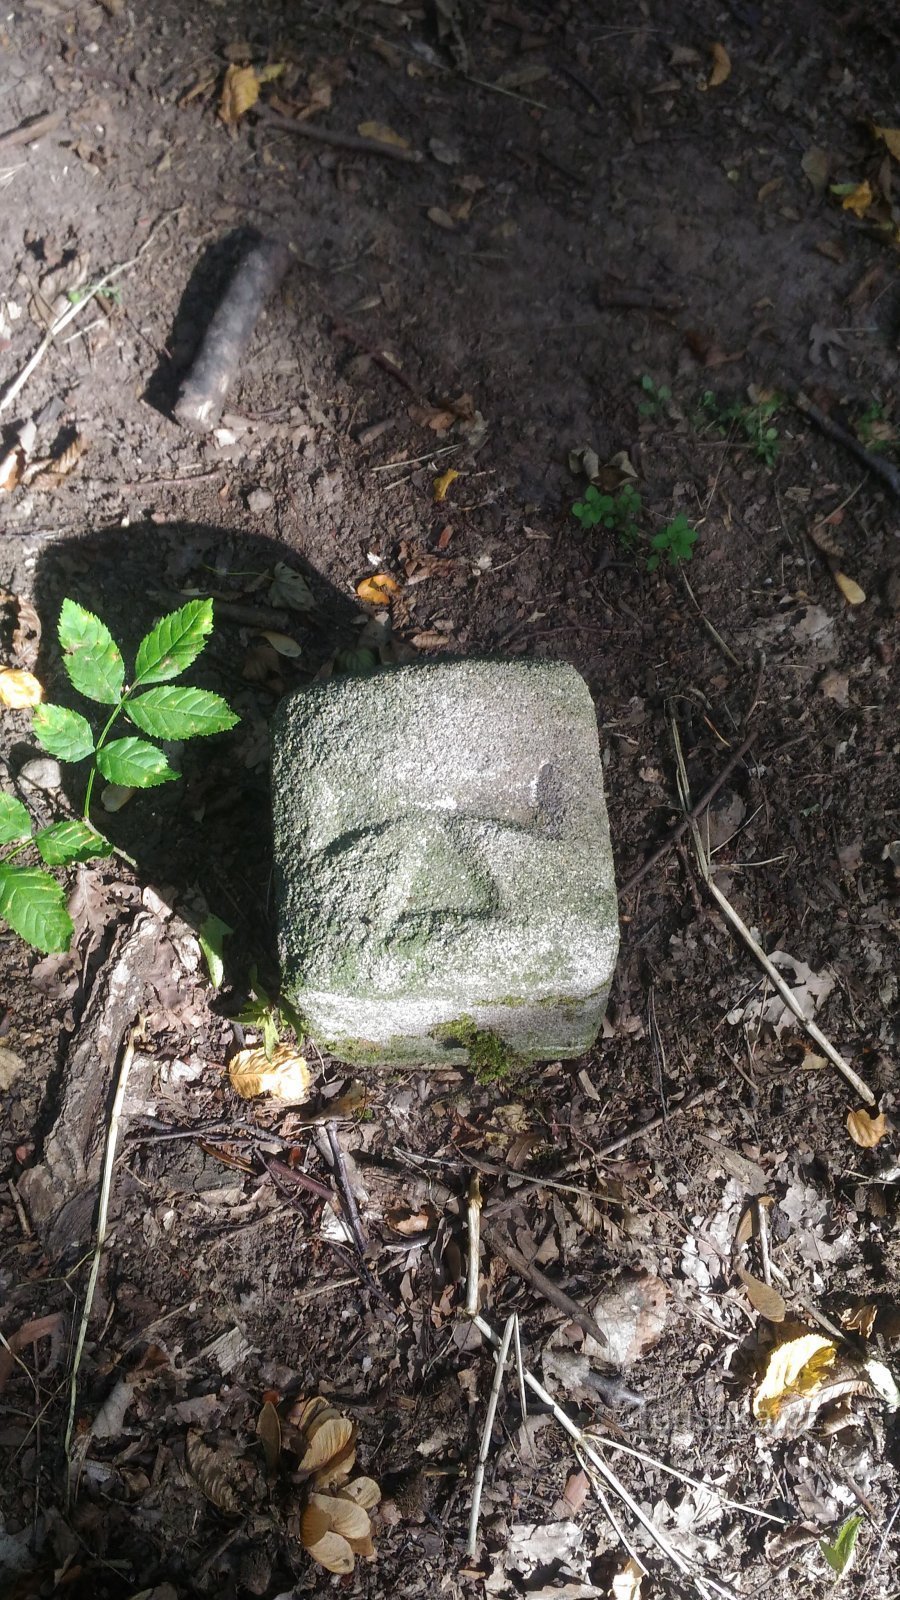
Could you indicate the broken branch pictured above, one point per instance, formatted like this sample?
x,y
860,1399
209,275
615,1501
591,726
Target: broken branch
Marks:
x,y
202,394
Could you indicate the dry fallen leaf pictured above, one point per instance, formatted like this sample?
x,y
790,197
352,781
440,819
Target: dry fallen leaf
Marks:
x,y
286,1076
240,91
377,590
763,1298
442,484
850,589
382,134
866,1130
215,1472
283,643
797,1368
19,689
859,1319
626,1585
816,165
441,218
859,199
268,1431
12,465
721,67
891,137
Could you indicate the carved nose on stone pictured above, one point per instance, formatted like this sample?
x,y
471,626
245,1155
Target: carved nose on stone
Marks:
x,y
440,876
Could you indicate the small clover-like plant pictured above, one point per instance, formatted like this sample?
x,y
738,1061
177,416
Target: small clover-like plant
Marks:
x,y
616,512
32,901
656,397
675,542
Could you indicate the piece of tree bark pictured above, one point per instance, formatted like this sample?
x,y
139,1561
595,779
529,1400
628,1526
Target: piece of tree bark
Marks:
x,y
202,394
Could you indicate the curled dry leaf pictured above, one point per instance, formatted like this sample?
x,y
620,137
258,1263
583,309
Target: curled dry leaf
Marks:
x,y
866,1130
268,1431
795,1369
364,1491
763,1298
240,91
377,590
626,1585
13,464
344,1516
328,1440
442,484
286,1076
859,199
721,67
283,643
19,689
891,137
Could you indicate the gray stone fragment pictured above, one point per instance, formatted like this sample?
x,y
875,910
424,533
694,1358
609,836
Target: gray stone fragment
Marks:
x,y
443,863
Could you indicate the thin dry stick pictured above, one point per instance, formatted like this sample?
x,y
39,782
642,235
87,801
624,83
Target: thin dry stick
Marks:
x,y
737,922
762,1228
545,1286
15,387
340,141
613,1520
478,1481
345,1189
605,1441
695,1098
618,1488
474,1267
696,811
102,1211
714,634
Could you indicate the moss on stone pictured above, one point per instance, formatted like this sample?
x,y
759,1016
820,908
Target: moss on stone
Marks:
x,y
490,1057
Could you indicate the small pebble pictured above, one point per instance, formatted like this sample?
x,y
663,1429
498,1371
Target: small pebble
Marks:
x,y
259,500
43,772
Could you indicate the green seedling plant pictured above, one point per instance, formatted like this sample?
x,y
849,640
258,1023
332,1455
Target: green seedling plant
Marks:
x,y
269,1016
656,397
873,429
31,900
616,512
674,543
755,422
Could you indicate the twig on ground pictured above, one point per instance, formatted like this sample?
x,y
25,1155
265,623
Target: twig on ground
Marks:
x,y
607,1442
16,1199
345,1190
340,141
33,128
696,811
109,1163
885,470
546,1287
686,1568
501,1359
695,1098
588,1469
17,384
474,1266
257,275
737,922
762,1228
713,632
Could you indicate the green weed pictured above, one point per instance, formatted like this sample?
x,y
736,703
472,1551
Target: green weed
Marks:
x,y
616,512
754,421
674,543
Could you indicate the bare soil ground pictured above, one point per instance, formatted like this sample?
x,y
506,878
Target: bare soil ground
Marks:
x,y
609,221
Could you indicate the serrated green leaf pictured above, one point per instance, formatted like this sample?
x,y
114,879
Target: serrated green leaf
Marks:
x,y
174,643
212,936
63,733
15,823
134,764
92,658
73,840
34,905
180,713
839,1554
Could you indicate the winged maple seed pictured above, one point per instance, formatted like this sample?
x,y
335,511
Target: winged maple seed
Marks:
x,y
334,1526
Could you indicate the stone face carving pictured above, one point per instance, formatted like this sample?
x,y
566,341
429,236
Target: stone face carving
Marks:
x,y
443,862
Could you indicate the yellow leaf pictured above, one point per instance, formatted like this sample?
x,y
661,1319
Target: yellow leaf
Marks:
x,y
442,484
364,1491
721,67
329,1442
380,132
344,1516
859,199
377,589
271,72
332,1552
286,1076
763,1298
866,1130
19,689
798,1367
891,137
850,589
240,91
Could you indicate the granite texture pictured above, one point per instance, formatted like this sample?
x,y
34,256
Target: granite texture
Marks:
x,y
442,861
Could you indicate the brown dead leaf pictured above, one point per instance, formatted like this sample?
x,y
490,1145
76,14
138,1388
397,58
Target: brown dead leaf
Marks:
x,y
866,1130
442,484
215,1473
382,134
833,249
576,1491
816,166
328,1443
331,1550
19,689
410,1223
441,218
283,643
763,1298
626,1585
377,590
240,91
891,137
721,67
430,639
437,418
287,1076
345,1515
850,589
859,1319
268,1431
13,464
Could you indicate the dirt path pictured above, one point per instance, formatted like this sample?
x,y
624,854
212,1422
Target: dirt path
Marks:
x,y
617,247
